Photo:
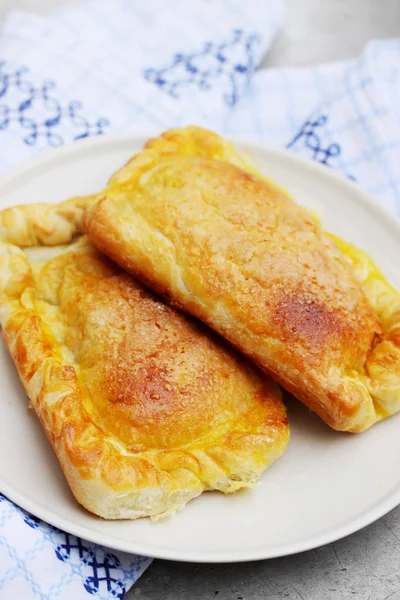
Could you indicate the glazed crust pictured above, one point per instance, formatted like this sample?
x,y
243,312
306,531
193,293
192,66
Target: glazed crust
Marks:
x,y
191,218
43,224
144,407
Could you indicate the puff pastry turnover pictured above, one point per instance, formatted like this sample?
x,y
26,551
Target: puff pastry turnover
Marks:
x,y
193,219
144,407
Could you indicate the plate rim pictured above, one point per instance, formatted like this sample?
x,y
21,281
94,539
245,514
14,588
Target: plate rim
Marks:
x,y
388,502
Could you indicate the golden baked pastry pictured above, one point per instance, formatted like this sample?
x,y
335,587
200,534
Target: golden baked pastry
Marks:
x,y
145,408
191,218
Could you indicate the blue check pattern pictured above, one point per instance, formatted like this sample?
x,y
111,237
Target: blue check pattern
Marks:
x,y
345,115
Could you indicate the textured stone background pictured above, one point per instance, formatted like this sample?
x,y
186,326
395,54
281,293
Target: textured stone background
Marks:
x,y
366,565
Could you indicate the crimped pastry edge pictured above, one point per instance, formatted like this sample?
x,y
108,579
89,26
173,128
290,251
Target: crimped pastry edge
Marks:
x,y
103,478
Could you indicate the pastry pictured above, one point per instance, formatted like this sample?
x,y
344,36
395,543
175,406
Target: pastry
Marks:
x,y
192,219
144,407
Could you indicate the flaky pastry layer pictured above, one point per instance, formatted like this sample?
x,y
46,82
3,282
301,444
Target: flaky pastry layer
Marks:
x,y
191,217
144,407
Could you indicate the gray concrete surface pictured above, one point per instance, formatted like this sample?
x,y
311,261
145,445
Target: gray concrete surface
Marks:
x,y
366,565
321,30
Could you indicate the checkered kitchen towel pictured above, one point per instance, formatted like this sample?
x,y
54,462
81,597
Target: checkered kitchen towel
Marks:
x,y
102,67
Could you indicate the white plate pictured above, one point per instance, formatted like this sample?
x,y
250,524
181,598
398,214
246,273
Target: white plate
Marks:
x,y
326,486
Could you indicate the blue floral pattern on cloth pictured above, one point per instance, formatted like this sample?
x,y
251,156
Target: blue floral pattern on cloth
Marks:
x,y
310,139
36,109
105,565
32,521
101,573
232,60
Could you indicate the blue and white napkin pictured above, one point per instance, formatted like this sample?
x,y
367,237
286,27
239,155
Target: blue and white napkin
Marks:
x,y
130,65
344,114
124,65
